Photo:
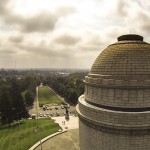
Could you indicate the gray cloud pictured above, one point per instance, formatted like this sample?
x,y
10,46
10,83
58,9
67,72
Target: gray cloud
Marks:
x,y
122,8
64,11
95,40
43,22
91,48
3,6
144,21
16,39
43,51
56,49
146,27
93,44
67,40
7,51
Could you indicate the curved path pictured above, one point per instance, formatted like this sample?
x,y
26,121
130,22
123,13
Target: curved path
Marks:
x,y
65,141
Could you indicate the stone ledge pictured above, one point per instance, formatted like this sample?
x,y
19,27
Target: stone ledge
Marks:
x,y
101,124
116,83
115,119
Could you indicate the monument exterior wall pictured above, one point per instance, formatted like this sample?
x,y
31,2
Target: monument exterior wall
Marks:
x,y
93,139
114,112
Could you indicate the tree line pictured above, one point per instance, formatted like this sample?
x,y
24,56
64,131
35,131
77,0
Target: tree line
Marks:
x,y
70,87
16,97
17,91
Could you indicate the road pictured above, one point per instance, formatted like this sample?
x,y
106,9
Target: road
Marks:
x,y
35,107
55,110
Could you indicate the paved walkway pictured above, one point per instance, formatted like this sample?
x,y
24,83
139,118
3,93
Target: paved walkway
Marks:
x,y
72,123
65,141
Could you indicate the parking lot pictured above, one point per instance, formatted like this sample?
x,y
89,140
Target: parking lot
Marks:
x,y
49,110
53,111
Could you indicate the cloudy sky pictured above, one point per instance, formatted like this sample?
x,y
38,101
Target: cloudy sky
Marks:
x,y
66,33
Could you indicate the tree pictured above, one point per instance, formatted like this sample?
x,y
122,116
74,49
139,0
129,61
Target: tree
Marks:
x,y
72,96
79,84
80,89
30,83
19,108
5,106
29,98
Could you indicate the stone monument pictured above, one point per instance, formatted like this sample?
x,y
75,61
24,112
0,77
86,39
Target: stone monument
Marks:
x,y
114,112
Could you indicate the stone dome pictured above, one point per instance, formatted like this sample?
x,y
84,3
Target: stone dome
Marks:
x,y
119,74
129,56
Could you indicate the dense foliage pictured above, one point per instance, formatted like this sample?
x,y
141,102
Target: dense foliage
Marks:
x,y
13,105
69,87
18,89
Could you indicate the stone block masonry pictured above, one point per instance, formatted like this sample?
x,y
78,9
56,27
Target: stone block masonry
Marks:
x,y
114,112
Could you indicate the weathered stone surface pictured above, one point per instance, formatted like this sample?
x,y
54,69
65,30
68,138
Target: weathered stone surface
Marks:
x,y
114,112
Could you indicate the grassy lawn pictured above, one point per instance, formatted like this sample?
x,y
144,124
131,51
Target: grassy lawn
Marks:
x,y
46,96
10,137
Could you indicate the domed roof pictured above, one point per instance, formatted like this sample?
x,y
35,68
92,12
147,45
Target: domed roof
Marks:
x,y
129,56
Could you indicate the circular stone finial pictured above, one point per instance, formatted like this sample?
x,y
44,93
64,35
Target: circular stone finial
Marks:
x,y
130,37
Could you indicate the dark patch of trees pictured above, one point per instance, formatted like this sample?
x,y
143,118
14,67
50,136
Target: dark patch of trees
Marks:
x,y
29,98
6,104
13,105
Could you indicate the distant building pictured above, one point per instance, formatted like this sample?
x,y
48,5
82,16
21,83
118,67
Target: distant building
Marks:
x,y
114,112
62,74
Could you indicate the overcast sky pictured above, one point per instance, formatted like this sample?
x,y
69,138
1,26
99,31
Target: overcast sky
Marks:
x,y
66,33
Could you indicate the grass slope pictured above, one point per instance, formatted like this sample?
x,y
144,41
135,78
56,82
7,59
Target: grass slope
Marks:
x,y
10,137
46,96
